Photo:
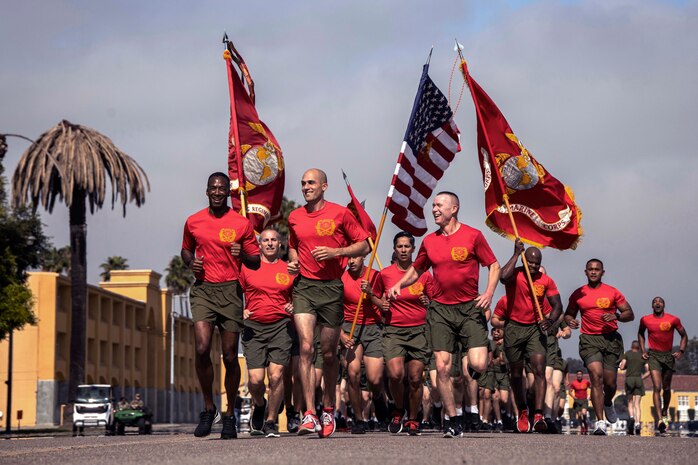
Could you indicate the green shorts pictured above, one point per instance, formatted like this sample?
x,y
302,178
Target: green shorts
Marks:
x,y
502,379
488,381
459,323
522,341
324,299
409,343
634,386
265,343
217,303
563,389
580,404
368,336
606,348
661,361
295,341
552,355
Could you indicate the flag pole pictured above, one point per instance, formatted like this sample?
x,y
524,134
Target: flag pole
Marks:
x,y
228,56
367,275
391,189
370,241
505,196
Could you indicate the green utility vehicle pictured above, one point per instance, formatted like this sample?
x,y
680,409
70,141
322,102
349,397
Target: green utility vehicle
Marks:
x,y
139,418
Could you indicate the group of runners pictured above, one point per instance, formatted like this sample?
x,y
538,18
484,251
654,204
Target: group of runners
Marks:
x,y
422,321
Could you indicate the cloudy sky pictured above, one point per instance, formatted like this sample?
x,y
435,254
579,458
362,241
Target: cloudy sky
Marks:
x,y
602,92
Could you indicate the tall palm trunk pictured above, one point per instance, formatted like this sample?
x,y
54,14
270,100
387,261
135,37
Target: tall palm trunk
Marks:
x,y
78,291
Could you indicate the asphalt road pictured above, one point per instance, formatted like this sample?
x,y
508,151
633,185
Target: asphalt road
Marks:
x,y
174,446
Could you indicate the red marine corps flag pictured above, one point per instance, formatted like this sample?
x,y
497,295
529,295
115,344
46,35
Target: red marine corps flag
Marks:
x,y
543,209
255,164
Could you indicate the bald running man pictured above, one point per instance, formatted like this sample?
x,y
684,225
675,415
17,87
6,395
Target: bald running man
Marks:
x,y
322,236
456,313
525,336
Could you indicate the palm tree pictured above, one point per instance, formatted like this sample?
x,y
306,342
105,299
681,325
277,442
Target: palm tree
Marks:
x,y
179,276
56,260
113,263
72,163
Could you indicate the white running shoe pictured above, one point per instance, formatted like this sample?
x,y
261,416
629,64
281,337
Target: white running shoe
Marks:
x,y
600,429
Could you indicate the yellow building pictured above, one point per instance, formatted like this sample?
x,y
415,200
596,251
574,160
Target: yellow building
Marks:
x,y
129,341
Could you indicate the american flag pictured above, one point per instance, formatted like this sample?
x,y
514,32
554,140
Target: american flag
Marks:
x,y
431,142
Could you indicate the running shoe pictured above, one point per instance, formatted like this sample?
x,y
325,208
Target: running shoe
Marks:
x,y
310,424
229,430
662,427
327,423
600,429
257,419
271,430
539,425
522,424
206,420
610,413
475,421
630,427
552,426
413,428
452,429
665,420
638,429
498,427
395,425
359,427
293,423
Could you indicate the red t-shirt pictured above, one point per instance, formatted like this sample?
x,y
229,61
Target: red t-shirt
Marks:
x,y
332,226
368,313
580,388
593,304
520,307
501,307
407,310
660,331
210,237
267,291
454,261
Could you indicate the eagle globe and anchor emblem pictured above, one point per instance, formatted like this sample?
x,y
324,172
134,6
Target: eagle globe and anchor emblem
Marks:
x,y
261,164
519,172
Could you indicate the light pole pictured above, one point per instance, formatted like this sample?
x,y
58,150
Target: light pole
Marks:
x,y
8,421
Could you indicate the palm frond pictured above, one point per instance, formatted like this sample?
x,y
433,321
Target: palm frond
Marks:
x,y
87,159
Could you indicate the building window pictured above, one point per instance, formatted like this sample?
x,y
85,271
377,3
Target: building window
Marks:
x,y
683,408
103,354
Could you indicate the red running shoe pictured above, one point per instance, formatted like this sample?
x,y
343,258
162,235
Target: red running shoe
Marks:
x,y
522,424
327,424
413,428
309,425
539,425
